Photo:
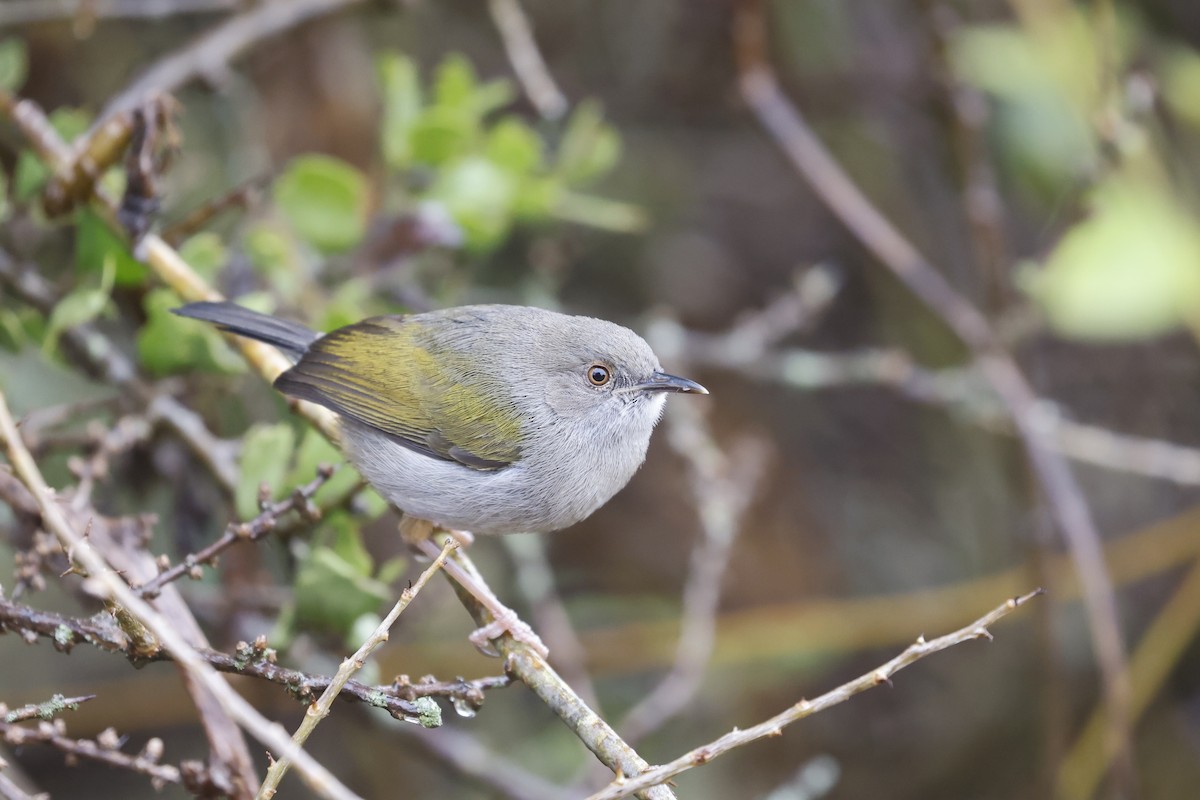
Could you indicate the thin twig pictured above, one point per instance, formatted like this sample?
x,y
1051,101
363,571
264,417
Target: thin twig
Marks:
x,y
842,196
210,54
22,12
527,61
806,708
9,790
104,749
1156,655
80,551
251,659
240,197
470,758
98,356
534,578
320,709
722,487
266,522
44,711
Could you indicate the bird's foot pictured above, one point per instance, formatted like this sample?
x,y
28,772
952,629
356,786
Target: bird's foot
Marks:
x,y
506,621
464,538
415,531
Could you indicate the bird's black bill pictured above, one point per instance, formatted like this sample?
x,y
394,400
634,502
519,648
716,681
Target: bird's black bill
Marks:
x,y
662,382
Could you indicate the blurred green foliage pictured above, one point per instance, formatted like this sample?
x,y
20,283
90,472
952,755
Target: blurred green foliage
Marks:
x,y
1130,269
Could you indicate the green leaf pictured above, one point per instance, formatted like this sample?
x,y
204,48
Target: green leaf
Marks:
x,y
31,174
442,134
96,245
454,83
391,570
493,95
331,593
347,542
325,199
70,123
1181,83
513,145
1130,271
82,305
590,147
266,451
14,64
169,344
5,205
456,87
352,300
206,254
315,450
480,197
401,107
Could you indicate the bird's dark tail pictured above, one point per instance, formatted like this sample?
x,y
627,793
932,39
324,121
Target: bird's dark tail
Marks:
x,y
290,337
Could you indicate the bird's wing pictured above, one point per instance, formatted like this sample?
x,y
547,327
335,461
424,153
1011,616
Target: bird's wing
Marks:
x,y
380,372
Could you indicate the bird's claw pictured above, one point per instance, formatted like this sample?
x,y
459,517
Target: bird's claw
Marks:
x,y
507,622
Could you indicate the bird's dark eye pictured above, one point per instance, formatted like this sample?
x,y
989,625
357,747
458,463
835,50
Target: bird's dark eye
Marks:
x,y
598,375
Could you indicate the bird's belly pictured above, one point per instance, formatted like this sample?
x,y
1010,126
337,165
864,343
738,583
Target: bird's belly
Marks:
x,y
514,499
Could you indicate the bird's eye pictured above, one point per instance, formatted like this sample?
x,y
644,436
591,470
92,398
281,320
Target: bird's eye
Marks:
x,y
598,375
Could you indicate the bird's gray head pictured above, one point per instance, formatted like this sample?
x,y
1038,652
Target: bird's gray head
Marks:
x,y
598,371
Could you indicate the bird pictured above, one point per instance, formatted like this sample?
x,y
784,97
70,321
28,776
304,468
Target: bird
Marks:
x,y
488,419
484,418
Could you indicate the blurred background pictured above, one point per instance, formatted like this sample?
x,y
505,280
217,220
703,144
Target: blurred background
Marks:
x,y
392,156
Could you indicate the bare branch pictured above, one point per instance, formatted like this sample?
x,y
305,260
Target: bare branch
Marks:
x,y
806,708
44,711
722,488
526,59
105,749
210,54
22,12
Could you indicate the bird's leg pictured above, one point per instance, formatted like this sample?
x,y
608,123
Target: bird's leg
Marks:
x,y
465,538
414,529
504,619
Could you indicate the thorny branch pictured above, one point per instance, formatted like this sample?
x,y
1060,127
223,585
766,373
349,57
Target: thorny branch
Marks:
x,y
300,500
86,559
254,660
882,675
105,749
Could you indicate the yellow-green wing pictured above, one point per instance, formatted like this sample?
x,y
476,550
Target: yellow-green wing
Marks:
x,y
381,372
